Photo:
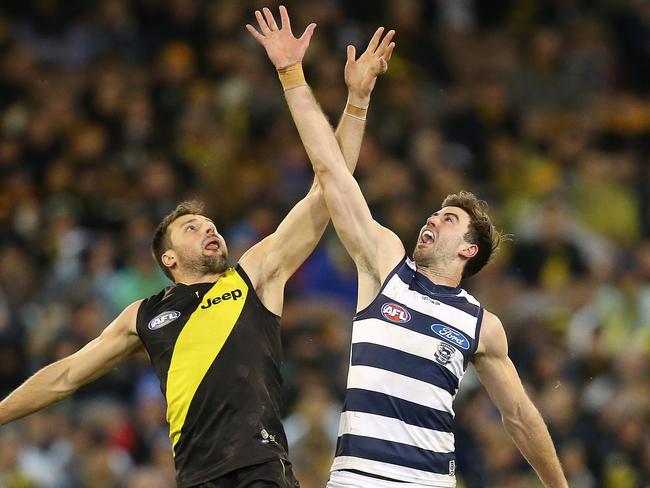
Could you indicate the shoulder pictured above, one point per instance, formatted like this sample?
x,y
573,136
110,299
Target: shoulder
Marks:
x,y
391,252
127,320
253,261
133,308
492,338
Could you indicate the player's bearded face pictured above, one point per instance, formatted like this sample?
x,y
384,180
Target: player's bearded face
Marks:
x,y
199,248
439,244
443,251
201,263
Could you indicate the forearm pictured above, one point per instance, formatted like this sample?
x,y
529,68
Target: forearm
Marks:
x,y
314,130
312,124
349,135
47,386
302,228
349,132
531,436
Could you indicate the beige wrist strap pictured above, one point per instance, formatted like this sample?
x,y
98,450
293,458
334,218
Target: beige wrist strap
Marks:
x,y
356,112
292,76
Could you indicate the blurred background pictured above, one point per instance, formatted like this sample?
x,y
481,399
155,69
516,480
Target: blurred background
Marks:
x,y
113,111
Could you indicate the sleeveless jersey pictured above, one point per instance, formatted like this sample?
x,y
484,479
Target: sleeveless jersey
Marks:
x,y
216,351
410,349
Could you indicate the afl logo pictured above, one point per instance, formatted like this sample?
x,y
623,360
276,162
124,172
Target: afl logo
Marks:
x,y
162,319
456,338
395,313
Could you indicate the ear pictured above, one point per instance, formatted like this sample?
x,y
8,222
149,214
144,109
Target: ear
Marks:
x,y
468,251
169,258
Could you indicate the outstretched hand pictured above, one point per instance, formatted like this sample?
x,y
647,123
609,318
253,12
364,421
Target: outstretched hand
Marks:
x,y
361,74
281,46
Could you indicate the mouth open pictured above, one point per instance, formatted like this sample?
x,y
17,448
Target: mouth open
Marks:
x,y
212,244
427,237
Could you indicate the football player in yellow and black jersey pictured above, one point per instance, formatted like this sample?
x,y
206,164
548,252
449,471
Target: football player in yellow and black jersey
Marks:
x,y
213,337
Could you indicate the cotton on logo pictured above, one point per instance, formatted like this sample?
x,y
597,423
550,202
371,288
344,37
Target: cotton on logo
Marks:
x,y
395,313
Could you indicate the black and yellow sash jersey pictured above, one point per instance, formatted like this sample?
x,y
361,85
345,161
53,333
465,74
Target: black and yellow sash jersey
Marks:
x,y
216,350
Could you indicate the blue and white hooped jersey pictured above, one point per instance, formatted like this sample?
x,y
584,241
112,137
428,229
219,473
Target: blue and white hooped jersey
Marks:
x,y
410,349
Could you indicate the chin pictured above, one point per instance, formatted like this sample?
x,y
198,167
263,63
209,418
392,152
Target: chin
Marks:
x,y
208,264
218,264
417,255
423,255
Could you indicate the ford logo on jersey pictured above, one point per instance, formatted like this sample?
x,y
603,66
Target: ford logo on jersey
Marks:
x,y
453,336
162,319
395,313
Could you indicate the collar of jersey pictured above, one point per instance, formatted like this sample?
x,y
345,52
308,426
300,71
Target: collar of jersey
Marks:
x,y
200,284
434,289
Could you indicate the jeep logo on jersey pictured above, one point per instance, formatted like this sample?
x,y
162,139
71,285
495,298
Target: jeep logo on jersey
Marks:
x,y
395,313
451,335
162,319
230,295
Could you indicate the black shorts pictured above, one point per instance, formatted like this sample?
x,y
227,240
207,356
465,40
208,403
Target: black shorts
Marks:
x,y
272,474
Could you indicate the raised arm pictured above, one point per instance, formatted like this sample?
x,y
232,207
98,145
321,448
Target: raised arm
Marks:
x,y
271,262
520,417
360,78
374,249
62,378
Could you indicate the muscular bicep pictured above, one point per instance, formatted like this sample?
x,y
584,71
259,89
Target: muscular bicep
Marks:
x,y
495,369
279,255
501,381
115,344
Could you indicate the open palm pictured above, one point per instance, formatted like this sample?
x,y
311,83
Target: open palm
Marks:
x,y
361,74
281,46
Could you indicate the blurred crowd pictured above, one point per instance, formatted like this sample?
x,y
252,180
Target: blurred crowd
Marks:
x,y
113,111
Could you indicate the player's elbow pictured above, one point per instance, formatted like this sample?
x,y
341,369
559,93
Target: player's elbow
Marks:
x,y
62,382
521,418
325,159
331,175
322,167
513,420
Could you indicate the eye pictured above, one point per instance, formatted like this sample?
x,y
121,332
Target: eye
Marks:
x,y
190,227
448,218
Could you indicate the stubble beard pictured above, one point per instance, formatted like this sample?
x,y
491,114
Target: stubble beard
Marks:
x,y
213,264
429,257
205,264
422,257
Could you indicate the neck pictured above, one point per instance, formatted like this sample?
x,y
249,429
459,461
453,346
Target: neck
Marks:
x,y
439,276
192,279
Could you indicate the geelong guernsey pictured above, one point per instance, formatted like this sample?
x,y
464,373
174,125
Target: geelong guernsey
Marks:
x,y
410,349
216,351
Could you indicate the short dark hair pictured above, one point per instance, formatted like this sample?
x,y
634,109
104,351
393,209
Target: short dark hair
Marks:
x,y
161,241
481,230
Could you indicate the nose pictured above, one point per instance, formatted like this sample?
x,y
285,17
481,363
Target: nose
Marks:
x,y
433,220
210,229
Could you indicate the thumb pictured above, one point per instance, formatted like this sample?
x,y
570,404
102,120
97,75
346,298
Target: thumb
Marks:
x,y
383,66
352,54
309,31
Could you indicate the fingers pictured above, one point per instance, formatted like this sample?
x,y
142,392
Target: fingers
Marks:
x,y
352,54
389,52
284,18
309,31
383,66
269,19
258,37
262,23
383,60
385,42
372,45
